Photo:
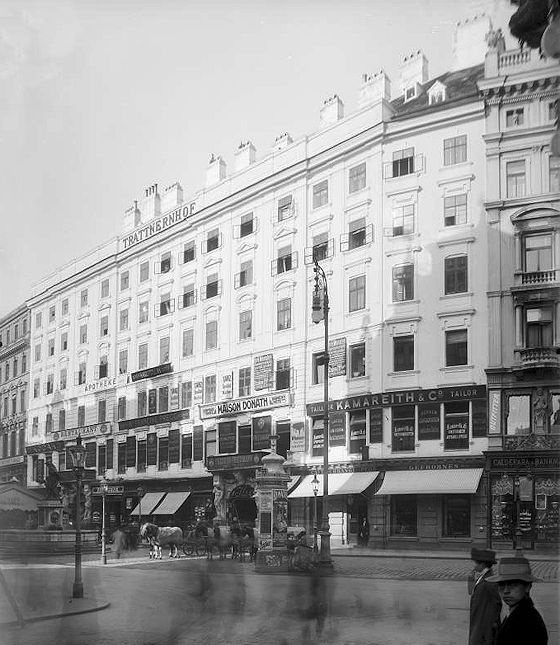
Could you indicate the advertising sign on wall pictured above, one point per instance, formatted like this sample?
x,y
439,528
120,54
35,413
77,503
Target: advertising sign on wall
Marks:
x,y
429,421
297,437
264,372
227,437
262,427
337,357
337,429
227,385
197,393
456,433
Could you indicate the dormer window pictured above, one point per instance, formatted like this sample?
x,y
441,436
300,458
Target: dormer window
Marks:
x,y
410,93
437,93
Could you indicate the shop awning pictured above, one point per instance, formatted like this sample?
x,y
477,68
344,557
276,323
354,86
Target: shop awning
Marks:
x,y
171,503
149,502
294,480
411,482
339,484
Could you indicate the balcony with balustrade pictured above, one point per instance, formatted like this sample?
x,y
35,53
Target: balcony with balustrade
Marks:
x,y
530,358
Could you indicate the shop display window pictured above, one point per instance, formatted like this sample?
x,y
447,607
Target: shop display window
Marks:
x,y
518,417
403,428
555,413
502,508
403,515
456,516
547,507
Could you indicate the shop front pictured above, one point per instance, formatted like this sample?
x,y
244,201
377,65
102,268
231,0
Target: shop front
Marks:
x,y
524,499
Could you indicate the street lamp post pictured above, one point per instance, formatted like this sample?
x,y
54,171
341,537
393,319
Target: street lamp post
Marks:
x,y
78,454
140,491
321,312
315,484
104,486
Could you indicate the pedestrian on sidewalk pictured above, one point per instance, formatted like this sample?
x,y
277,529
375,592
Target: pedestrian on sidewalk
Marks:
x,y
120,542
485,602
520,622
363,533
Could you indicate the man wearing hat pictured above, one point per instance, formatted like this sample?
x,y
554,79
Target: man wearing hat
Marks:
x,y
521,623
485,599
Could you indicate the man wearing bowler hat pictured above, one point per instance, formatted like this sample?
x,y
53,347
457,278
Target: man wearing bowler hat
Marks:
x,y
485,599
521,623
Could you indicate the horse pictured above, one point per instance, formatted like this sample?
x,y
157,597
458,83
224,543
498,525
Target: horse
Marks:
x,y
161,536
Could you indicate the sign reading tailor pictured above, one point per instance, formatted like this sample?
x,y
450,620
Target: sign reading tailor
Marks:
x,y
337,357
297,437
227,436
429,421
264,372
376,425
337,429
180,214
246,404
261,432
227,385
456,432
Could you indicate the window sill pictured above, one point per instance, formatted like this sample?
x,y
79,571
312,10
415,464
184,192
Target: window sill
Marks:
x,y
404,373
456,368
462,294
405,302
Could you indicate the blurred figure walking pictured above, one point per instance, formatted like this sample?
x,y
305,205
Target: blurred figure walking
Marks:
x,y
485,602
119,541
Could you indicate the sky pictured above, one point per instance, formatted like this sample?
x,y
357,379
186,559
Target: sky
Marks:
x,y
100,99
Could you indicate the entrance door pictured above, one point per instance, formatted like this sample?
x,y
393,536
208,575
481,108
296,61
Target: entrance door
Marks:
x,y
242,506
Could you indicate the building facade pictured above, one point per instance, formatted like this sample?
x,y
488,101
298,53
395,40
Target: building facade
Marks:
x,y
523,214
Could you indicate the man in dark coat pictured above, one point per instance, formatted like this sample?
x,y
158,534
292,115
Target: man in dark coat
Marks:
x,y
521,623
485,599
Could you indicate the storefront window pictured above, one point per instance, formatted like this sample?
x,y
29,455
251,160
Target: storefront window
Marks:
x,y
518,420
555,413
456,516
502,508
403,515
357,431
403,428
547,506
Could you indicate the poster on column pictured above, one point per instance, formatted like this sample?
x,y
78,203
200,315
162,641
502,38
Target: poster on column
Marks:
x,y
456,432
337,429
280,518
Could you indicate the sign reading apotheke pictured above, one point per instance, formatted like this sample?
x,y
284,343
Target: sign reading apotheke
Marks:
x,y
106,383
246,404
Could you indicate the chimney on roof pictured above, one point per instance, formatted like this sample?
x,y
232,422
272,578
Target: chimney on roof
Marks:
x,y
172,197
216,170
375,87
469,41
332,110
151,204
282,141
245,155
132,218
414,70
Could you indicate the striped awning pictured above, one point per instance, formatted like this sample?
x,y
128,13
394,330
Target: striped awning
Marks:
x,y
149,502
171,503
412,482
339,484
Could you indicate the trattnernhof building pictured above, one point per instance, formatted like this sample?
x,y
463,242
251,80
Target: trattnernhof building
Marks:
x,y
177,350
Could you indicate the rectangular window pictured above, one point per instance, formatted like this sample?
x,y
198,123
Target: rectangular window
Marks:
x,y
245,276
81,373
51,347
83,334
163,399
84,298
49,422
283,374
103,367
101,410
357,431
321,194
104,326
245,325
211,334
284,314
188,342
318,368
121,408
64,307
34,427
456,516
515,117
52,314
245,381
554,174
123,361
537,252
357,293
456,425
247,225
143,356
210,389
284,260
209,443
403,220
538,327
188,299
456,347
81,415
37,322
357,233
320,247
212,286
37,353
403,353
357,178
403,283
244,439
143,312
123,320
152,401
105,288
456,274
163,453
6,372
515,178
142,403
186,394
212,240
125,280
455,210
188,252
50,383
404,515
165,305
63,378
23,363
403,162
455,150
285,208
358,360
165,262
64,341
518,419
164,350
144,271
403,428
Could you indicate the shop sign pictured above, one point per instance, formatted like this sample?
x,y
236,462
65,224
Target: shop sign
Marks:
x,y
533,462
337,429
429,421
51,446
494,407
157,226
111,490
197,392
10,461
233,462
261,429
456,433
337,357
403,434
227,437
264,372
318,436
105,383
154,419
247,404
151,372
84,431
297,437
405,397
227,385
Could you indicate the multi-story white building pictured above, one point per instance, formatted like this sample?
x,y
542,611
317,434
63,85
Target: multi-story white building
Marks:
x,y
523,213
176,350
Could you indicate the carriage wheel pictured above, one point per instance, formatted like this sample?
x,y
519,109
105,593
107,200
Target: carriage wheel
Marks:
x,y
188,549
200,548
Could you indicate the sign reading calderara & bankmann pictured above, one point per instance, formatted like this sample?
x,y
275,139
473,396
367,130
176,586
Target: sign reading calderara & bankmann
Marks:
x,y
178,215
246,404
